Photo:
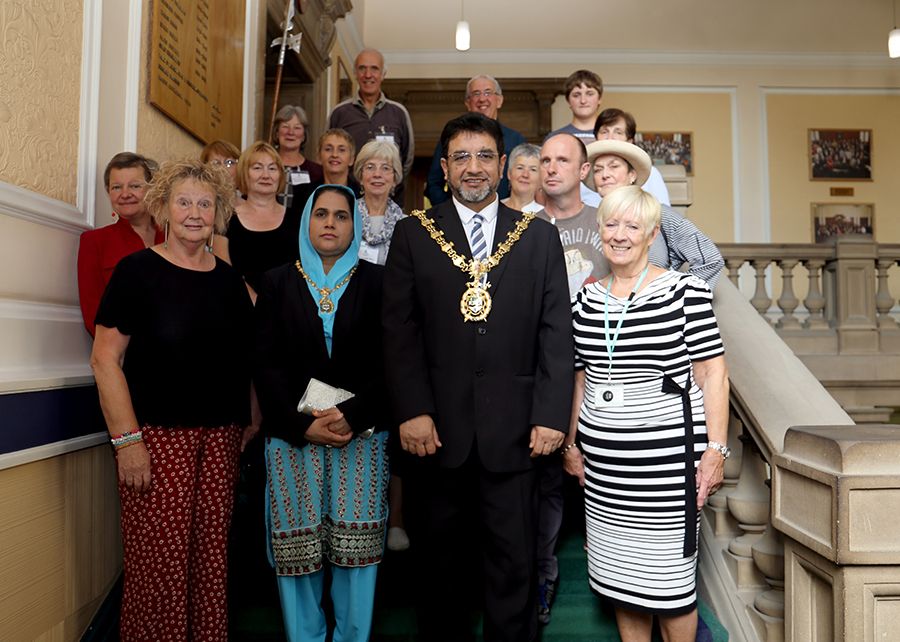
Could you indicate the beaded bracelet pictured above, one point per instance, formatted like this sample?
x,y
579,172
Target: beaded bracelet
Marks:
x,y
126,438
566,449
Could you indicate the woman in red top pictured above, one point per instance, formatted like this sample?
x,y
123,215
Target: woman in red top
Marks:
x,y
101,249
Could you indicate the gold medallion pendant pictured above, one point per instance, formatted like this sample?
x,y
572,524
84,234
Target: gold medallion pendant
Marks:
x,y
326,304
475,304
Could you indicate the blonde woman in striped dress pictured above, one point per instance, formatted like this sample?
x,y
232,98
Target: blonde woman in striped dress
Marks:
x,y
649,426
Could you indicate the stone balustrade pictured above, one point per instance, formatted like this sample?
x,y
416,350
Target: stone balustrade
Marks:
x,y
843,326
847,286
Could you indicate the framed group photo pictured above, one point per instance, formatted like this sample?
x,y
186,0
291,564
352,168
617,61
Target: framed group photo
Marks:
x,y
668,148
833,220
840,154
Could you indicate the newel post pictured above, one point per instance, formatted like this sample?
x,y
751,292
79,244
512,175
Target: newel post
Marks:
x,y
836,499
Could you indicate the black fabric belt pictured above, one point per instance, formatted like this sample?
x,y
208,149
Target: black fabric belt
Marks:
x,y
690,485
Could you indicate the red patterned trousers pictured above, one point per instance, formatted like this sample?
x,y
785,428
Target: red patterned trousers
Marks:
x,y
176,537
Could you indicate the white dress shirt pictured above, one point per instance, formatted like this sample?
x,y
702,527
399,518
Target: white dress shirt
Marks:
x,y
488,225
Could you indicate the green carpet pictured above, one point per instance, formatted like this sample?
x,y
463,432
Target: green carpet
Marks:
x,y
577,614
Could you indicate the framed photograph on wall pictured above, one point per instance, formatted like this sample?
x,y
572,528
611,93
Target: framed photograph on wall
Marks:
x,y
840,154
832,220
668,148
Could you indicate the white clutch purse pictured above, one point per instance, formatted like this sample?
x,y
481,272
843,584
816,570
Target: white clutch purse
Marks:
x,y
320,396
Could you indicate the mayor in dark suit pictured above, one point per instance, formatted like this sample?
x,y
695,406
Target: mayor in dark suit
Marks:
x,y
479,362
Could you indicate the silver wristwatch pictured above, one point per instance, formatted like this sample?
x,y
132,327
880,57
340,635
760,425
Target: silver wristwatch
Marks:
x,y
722,449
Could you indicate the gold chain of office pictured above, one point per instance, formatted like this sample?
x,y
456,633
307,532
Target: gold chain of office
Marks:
x,y
326,305
475,304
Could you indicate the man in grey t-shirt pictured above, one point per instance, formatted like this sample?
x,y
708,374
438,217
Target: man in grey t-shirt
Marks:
x,y
563,166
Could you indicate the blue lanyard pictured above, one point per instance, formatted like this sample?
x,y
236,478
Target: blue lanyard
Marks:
x,y
611,345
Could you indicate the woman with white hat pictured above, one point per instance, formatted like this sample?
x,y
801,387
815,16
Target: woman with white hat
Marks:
x,y
616,163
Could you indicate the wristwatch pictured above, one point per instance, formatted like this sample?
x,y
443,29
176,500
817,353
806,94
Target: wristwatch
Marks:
x,y
722,449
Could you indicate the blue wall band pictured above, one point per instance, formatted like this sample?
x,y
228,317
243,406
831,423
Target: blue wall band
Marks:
x,y
31,419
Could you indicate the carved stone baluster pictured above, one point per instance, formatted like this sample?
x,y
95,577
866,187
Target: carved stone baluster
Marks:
x,y
768,554
814,301
734,267
761,300
788,302
749,504
883,300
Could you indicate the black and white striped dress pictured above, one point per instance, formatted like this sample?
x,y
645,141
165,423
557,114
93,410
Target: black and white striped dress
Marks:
x,y
640,497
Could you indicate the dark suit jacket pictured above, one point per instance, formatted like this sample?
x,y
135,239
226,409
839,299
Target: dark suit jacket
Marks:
x,y
491,381
290,349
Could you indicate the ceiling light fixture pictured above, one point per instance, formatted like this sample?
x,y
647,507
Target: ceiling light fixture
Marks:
x,y
893,36
463,36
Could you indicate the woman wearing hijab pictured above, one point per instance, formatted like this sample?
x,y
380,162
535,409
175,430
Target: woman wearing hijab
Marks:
x,y
319,320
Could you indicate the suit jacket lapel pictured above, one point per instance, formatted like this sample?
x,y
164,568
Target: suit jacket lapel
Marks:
x,y
506,222
448,222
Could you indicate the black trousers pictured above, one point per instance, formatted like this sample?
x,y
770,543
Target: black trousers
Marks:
x,y
473,532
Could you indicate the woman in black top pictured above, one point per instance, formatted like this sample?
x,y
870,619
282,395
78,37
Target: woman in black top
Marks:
x,y
171,363
262,234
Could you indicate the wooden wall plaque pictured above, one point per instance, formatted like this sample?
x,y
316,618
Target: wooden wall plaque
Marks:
x,y
197,64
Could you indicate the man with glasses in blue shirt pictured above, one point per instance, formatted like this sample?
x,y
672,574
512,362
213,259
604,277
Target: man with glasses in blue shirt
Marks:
x,y
478,342
484,96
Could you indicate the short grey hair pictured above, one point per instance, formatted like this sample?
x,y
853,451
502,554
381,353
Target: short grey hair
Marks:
x,y
285,114
370,50
528,150
380,149
493,80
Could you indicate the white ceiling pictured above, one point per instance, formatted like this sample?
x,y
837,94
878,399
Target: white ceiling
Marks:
x,y
682,26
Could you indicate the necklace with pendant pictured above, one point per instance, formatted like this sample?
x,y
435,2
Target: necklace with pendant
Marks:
x,y
326,305
475,304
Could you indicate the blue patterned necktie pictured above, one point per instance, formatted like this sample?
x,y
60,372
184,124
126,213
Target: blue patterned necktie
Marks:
x,y
479,243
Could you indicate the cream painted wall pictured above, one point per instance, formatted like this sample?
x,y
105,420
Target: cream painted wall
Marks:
x,y
789,116
40,76
748,78
642,25
708,117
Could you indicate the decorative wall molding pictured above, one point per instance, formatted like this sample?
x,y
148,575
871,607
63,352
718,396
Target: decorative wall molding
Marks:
x,y
251,56
89,116
583,57
133,77
43,210
36,207
8,460
44,346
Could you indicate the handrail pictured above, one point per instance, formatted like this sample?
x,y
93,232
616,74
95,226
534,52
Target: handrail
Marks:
x,y
772,389
742,569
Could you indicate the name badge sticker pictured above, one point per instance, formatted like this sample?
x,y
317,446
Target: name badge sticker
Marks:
x,y
368,252
299,178
609,395
385,138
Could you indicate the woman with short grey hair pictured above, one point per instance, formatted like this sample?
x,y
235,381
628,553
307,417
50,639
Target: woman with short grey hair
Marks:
x,y
524,173
378,170
289,134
